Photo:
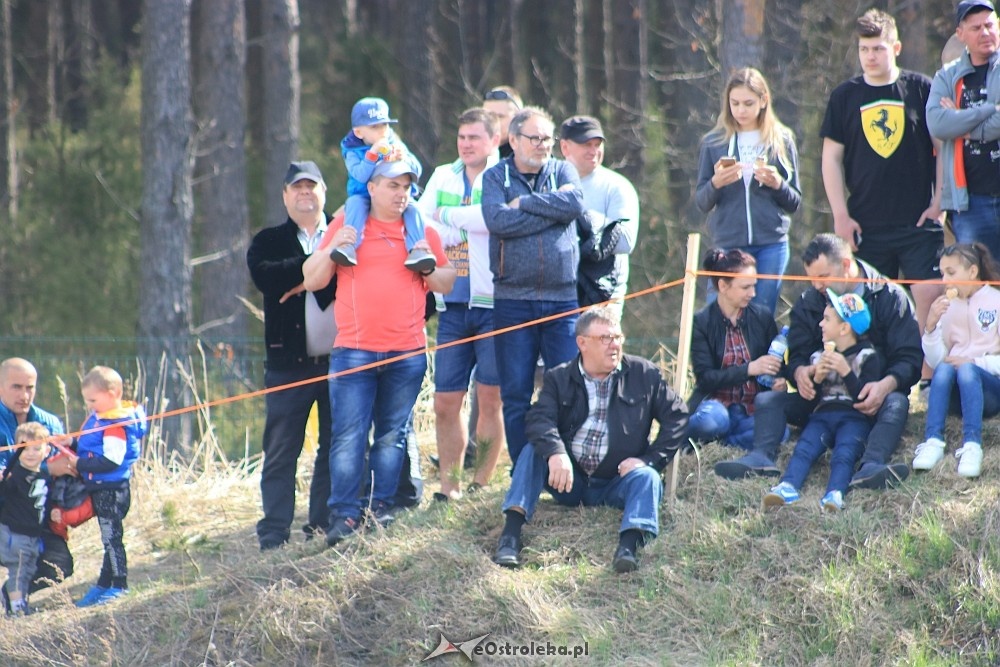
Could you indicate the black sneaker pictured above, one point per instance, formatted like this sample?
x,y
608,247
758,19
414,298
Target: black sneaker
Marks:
x,y
877,476
754,463
271,542
340,529
344,255
381,513
507,552
624,560
418,260
311,530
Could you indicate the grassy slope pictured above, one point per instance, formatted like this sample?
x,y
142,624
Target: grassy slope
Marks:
x,y
901,578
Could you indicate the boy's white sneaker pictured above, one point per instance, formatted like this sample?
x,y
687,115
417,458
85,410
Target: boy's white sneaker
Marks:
x,y
970,459
928,454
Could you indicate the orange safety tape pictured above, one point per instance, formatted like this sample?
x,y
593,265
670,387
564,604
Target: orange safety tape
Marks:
x,y
358,369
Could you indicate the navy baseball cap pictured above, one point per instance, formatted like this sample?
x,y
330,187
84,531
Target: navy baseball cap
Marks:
x,y
967,7
300,171
370,111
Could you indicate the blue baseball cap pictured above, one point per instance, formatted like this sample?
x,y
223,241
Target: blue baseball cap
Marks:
x,y
394,169
370,111
852,309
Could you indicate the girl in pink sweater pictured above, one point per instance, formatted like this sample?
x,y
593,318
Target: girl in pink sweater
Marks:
x,y
962,345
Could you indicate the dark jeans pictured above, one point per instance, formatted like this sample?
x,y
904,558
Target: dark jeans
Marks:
x,y
772,409
111,506
284,432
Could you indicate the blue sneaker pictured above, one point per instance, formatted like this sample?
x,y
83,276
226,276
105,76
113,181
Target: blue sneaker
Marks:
x,y
110,594
780,495
90,597
833,501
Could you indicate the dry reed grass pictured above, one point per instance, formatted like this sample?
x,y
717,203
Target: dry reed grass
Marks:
x,y
906,577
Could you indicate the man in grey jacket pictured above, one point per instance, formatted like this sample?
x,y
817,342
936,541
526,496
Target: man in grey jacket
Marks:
x,y
530,204
963,111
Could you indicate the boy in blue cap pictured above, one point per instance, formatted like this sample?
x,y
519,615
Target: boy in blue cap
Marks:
x,y
370,142
845,364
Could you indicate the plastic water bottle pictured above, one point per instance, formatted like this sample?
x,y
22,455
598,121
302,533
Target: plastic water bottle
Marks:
x,y
777,349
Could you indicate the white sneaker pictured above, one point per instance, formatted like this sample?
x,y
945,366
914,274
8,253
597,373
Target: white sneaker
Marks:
x,y
970,459
928,454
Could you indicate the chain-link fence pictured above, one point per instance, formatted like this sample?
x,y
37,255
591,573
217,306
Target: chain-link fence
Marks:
x,y
215,370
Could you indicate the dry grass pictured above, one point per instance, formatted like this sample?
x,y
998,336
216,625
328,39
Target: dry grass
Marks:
x,y
908,577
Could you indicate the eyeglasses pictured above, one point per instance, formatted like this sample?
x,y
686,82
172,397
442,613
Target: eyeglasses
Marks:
x,y
607,339
500,95
536,140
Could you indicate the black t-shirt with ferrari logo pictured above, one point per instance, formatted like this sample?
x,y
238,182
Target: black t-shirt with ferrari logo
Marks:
x,y
888,151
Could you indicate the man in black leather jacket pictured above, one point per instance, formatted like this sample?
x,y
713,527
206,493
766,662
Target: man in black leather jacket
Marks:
x,y
588,440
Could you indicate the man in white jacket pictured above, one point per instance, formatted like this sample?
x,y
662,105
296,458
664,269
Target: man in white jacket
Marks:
x,y
451,204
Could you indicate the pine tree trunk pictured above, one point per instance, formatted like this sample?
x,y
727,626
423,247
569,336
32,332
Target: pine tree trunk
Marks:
x,y
8,146
221,213
166,130
280,104
420,127
742,35
629,87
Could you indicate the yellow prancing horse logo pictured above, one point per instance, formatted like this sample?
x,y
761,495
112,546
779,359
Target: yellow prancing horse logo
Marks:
x,y
883,123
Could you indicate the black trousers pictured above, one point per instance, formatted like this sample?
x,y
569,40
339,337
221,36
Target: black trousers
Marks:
x,y
284,433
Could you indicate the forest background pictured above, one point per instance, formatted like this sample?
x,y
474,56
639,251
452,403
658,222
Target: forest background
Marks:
x,y
143,143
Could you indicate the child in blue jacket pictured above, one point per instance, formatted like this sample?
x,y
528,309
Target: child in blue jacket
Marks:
x,y
104,461
370,142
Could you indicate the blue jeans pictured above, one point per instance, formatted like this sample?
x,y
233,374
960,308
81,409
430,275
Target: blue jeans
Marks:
x,y
517,353
382,396
967,390
845,431
772,259
637,493
981,222
356,212
714,421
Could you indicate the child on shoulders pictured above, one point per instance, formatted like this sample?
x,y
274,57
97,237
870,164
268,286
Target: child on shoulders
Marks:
x,y
104,461
961,343
24,489
840,370
370,142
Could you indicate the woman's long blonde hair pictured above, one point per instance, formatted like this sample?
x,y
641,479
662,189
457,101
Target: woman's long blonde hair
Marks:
x,y
773,134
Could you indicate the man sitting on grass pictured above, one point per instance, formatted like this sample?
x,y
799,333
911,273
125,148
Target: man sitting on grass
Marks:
x,y
588,440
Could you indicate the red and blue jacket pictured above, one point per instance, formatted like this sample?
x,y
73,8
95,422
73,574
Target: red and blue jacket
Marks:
x,y
107,455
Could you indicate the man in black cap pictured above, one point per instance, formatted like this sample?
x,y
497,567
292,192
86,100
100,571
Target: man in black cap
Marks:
x,y
299,331
963,112
610,226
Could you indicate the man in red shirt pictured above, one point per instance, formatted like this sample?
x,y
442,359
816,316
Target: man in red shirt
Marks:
x,y
379,310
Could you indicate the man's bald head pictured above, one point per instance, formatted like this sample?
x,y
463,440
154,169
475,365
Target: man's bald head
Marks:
x,y
17,386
